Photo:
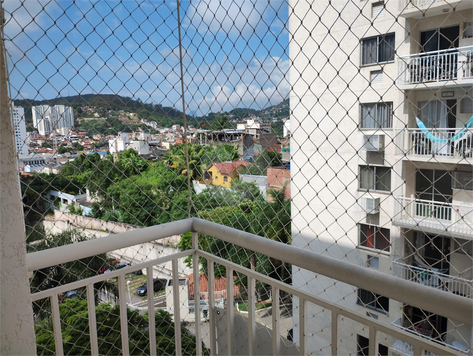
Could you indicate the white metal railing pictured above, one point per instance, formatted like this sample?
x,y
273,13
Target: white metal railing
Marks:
x,y
407,348
421,4
398,289
433,278
437,216
436,66
447,145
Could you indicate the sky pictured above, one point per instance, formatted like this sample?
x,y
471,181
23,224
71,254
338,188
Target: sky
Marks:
x,y
235,52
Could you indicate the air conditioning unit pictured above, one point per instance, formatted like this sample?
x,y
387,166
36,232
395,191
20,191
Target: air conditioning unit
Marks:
x,y
370,205
373,143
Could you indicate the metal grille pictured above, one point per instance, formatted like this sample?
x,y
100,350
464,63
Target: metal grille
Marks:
x,y
341,128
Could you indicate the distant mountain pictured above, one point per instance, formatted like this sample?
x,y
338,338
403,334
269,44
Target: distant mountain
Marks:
x,y
164,116
104,101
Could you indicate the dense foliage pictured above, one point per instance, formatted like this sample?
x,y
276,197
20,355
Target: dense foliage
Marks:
x,y
68,272
133,191
262,162
76,334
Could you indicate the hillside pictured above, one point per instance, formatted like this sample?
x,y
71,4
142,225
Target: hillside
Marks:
x,y
108,105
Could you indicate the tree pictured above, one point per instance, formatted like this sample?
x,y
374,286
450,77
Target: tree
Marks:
x,y
68,272
257,216
76,334
220,122
263,161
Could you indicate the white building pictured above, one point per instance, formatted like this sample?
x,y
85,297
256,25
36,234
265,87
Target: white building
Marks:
x,y
20,130
42,119
141,147
392,196
287,128
47,119
118,143
64,119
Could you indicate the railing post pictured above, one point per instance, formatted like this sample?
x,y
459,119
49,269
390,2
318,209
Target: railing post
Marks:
x,y
213,338
275,311
94,347
195,265
177,309
57,325
123,314
230,311
334,333
16,313
302,325
151,315
251,314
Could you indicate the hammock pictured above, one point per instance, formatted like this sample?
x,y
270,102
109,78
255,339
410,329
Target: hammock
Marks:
x,y
434,138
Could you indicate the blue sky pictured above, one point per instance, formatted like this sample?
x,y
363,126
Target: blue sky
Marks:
x,y
235,52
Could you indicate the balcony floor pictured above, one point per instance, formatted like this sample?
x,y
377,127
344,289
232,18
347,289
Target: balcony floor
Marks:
x,y
434,226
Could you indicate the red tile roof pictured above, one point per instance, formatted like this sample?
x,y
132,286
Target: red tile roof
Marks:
x,y
220,287
229,167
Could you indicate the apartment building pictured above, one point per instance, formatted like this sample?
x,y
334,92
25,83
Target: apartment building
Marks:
x,y
19,126
382,158
48,119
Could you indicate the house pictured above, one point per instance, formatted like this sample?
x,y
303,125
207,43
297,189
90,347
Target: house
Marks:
x,y
223,173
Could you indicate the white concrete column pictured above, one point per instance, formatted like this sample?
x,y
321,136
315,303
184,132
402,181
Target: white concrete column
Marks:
x,y
16,313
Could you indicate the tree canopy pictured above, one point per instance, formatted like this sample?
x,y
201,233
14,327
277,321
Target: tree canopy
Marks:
x,y
76,334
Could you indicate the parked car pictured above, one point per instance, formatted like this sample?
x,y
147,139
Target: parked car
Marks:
x,y
114,265
158,284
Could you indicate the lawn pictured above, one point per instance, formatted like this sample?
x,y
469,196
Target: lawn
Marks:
x,y
260,305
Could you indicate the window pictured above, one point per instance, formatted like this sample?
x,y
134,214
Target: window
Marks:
x,y
377,9
225,179
378,49
462,180
372,300
363,345
376,77
375,178
375,237
466,105
376,115
373,262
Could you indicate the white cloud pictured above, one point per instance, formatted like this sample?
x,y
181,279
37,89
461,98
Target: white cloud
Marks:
x,y
27,16
255,83
233,17
172,55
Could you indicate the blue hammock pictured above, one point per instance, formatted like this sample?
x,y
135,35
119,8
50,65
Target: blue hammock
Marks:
x,y
434,138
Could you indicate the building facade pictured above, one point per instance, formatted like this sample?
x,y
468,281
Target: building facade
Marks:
x,y
19,126
386,94
48,119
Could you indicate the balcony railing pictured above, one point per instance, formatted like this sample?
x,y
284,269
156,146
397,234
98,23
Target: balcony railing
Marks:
x,y
407,348
392,287
417,143
437,216
421,4
436,66
433,278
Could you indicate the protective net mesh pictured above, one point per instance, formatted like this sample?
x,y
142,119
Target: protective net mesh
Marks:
x,y
343,128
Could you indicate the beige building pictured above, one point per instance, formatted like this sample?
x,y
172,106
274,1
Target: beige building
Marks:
x,y
386,191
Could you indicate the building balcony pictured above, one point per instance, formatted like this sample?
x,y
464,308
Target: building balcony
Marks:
x,y
450,219
409,350
227,330
437,68
449,145
427,8
434,278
